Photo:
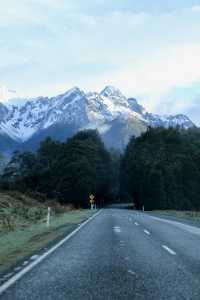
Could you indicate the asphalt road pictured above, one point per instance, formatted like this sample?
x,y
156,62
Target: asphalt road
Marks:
x,y
120,254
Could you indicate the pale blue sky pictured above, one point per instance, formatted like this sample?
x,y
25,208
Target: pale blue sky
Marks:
x,y
149,49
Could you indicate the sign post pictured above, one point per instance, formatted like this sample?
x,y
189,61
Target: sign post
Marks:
x,y
48,216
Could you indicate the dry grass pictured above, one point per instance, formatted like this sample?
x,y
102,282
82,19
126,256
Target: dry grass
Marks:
x,y
23,227
19,210
189,215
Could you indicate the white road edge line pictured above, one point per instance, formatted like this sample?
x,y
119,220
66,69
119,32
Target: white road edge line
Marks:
x,y
147,232
131,272
169,250
189,228
16,277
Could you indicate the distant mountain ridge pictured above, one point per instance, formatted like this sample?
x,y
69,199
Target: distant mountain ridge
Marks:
x,y
116,117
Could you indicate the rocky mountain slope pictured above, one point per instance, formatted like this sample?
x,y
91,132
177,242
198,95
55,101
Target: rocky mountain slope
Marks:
x,y
116,117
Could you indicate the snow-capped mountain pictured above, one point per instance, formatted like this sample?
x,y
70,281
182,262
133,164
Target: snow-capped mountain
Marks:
x,y
116,117
22,122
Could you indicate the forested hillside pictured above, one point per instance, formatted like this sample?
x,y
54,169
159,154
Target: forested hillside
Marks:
x,y
161,169
68,172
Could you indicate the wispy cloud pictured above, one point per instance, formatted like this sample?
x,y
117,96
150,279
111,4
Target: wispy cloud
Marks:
x,y
147,50
196,8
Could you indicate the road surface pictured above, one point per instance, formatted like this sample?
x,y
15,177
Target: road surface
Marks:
x,y
120,254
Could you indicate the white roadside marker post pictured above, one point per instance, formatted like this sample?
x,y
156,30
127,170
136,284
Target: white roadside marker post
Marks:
x,y
48,216
143,208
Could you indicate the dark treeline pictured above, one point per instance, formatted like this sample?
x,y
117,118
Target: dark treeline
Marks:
x,y
68,172
161,169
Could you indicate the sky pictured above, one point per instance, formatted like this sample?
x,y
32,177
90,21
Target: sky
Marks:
x,y
149,49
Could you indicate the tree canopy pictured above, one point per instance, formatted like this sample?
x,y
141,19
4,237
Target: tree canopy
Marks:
x,y
68,171
161,169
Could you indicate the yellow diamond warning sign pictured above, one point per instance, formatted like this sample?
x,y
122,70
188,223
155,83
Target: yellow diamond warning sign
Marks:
x,y
91,198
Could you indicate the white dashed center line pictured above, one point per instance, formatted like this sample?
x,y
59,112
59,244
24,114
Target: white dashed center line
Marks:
x,y
169,250
136,224
117,229
147,232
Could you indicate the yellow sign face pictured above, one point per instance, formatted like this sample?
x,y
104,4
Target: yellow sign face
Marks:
x,y
91,198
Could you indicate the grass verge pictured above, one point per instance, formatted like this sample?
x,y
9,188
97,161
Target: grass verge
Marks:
x,y
26,235
184,215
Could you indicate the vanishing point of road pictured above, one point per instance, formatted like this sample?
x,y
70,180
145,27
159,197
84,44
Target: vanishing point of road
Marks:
x,y
119,254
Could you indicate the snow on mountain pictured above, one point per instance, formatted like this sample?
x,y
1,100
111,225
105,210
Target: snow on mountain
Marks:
x,y
135,106
21,122
81,110
168,121
105,107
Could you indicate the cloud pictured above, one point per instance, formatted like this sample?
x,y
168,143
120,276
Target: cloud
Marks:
x,y
48,46
196,8
177,66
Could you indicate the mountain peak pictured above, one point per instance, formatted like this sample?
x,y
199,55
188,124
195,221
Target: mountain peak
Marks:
x,y
111,91
74,90
75,110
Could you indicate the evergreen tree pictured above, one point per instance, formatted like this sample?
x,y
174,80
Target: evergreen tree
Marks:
x,y
68,172
161,169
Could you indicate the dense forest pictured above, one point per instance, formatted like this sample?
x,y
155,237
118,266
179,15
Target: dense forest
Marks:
x,y
160,170
68,172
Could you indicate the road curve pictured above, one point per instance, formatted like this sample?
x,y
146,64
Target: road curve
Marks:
x,y
120,254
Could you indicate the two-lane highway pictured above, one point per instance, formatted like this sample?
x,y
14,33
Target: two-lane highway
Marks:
x,y
120,254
